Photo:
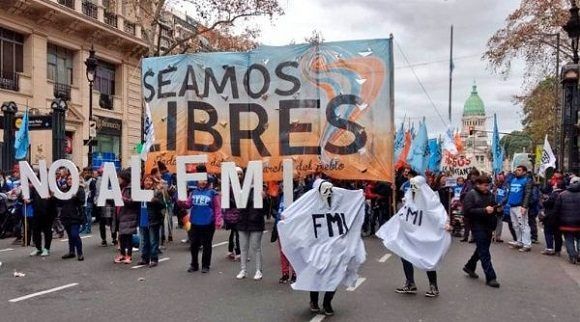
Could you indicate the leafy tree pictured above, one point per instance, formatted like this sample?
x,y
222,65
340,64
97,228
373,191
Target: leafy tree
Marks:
x,y
212,26
539,106
515,142
528,35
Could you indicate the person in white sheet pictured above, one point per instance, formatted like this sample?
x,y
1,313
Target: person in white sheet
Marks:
x,y
320,234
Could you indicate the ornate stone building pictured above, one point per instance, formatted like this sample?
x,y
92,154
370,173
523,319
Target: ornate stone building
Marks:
x,y
474,134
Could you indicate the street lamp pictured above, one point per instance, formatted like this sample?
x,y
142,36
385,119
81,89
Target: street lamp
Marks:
x,y
572,27
59,108
9,109
91,64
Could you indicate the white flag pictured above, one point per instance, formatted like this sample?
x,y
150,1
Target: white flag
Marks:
x,y
149,133
449,143
548,159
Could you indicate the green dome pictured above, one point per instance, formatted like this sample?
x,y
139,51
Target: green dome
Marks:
x,y
474,105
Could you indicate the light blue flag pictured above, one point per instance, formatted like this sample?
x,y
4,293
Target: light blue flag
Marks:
x,y
418,157
434,164
399,143
497,153
22,139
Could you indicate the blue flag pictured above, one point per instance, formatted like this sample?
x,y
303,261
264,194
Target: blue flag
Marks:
x,y
399,143
496,149
22,140
418,157
434,156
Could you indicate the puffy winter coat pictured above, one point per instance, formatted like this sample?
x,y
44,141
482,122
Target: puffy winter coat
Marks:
x,y
129,214
474,205
252,219
566,208
72,210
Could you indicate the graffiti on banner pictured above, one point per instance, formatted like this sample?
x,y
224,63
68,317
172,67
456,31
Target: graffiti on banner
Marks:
x,y
456,166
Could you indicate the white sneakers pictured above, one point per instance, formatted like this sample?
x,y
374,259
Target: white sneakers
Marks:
x,y
242,274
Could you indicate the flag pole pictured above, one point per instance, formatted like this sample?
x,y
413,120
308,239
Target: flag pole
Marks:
x,y
450,73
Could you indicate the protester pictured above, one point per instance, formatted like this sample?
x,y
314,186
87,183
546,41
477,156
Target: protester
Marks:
x,y
128,217
467,187
535,207
150,220
44,211
251,228
552,232
61,183
285,265
105,213
72,217
231,219
90,191
500,194
2,180
481,209
568,217
518,199
205,217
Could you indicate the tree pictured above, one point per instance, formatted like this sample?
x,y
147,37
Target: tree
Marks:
x,y
539,106
210,26
528,35
516,142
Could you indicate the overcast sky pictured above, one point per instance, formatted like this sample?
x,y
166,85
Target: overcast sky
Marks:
x,y
421,29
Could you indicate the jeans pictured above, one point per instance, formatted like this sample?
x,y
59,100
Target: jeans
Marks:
x,y
284,263
482,244
234,241
251,241
89,218
553,237
328,296
57,224
410,272
149,243
499,227
126,243
103,223
74,239
522,226
201,236
42,225
572,243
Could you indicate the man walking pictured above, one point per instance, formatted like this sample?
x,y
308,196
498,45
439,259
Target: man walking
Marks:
x,y
518,199
566,210
480,206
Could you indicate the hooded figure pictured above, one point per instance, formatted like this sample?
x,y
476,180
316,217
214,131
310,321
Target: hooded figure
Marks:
x,y
417,232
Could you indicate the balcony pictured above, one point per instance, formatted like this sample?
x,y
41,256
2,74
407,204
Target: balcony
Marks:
x,y
111,19
129,28
90,9
62,91
10,81
67,3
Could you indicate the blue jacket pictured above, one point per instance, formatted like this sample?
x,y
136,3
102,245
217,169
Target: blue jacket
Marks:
x,y
519,192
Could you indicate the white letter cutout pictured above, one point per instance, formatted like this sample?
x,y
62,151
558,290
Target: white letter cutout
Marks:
x,y
253,178
183,177
110,176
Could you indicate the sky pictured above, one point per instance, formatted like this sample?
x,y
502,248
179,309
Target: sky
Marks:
x,y
421,30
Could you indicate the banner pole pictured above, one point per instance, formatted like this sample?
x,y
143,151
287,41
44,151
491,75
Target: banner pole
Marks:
x,y
392,112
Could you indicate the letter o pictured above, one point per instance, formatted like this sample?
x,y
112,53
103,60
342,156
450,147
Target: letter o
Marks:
x,y
74,172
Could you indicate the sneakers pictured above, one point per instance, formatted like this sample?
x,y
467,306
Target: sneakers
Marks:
x,y
119,259
142,263
573,260
470,273
127,260
153,264
192,269
258,276
205,270
293,278
231,256
45,252
104,243
237,258
241,275
35,252
284,279
80,258
515,245
492,283
185,241
69,255
525,249
328,311
433,291
314,308
548,252
407,289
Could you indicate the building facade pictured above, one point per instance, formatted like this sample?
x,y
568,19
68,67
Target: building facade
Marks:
x,y
43,47
474,132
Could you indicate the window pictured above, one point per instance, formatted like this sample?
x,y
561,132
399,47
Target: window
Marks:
x,y
60,64
11,58
105,79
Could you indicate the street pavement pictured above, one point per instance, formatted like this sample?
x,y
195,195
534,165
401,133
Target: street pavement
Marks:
x,y
533,288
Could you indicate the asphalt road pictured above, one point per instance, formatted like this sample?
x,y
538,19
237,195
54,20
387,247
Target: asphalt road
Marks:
x,y
533,288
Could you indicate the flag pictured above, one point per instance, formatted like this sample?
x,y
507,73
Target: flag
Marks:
x,y
496,149
434,164
548,158
149,133
22,140
402,160
399,143
449,143
418,157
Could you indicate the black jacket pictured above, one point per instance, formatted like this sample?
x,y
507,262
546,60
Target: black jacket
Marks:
x,y
551,217
474,205
43,208
155,209
129,214
252,219
72,209
566,208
